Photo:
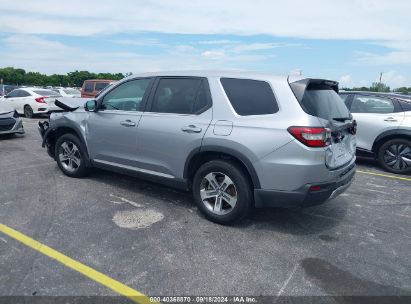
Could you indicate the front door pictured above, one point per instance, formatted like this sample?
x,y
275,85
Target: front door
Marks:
x,y
112,131
374,115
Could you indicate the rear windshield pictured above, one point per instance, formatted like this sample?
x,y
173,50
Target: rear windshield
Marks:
x,y
46,92
323,101
72,91
100,85
250,97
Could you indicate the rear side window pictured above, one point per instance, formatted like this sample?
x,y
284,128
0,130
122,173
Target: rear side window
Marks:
x,y
406,105
250,97
322,101
89,87
180,95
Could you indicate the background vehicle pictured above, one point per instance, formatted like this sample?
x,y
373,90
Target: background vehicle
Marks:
x,y
384,127
10,122
67,92
5,88
236,140
93,86
32,101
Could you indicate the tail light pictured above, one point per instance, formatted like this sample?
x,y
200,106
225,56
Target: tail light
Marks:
x,y
40,99
353,128
311,136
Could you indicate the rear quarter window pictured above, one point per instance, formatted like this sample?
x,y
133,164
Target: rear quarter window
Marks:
x,y
250,97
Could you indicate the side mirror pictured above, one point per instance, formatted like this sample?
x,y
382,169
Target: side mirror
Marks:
x,y
91,106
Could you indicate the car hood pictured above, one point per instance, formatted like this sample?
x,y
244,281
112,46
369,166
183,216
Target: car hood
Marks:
x,y
70,103
5,108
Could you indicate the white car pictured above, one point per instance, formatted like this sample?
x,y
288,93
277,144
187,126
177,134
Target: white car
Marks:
x,y
68,92
32,101
384,127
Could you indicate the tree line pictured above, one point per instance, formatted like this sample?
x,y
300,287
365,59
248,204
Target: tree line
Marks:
x,y
16,76
380,87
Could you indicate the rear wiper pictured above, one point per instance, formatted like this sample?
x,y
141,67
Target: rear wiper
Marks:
x,y
342,119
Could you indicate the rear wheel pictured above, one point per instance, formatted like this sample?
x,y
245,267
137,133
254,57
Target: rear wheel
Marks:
x,y
71,156
395,156
222,191
28,111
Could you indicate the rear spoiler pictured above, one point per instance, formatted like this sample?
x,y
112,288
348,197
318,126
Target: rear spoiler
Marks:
x,y
300,86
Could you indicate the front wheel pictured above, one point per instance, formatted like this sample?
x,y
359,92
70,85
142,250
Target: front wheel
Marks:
x,y
71,156
395,156
222,191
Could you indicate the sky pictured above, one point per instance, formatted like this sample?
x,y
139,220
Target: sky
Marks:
x,y
350,41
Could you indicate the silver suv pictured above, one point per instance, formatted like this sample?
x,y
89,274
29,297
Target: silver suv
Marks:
x,y
236,140
384,127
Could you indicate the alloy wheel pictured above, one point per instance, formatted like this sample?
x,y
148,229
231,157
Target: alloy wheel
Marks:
x,y
218,193
69,156
398,156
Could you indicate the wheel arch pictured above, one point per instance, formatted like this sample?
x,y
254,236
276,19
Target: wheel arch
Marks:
x,y
53,134
200,156
388,135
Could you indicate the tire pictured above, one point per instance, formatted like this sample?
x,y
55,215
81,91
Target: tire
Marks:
x,y
71,156
28,111
395,156
212,177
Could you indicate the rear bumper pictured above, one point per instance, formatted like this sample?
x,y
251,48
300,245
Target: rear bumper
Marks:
x,y
304,197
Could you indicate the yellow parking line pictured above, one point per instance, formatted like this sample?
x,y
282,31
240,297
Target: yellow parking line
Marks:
x,y
89,272
384,175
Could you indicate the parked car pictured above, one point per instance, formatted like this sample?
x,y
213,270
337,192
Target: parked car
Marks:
x,y
10,122
384,127
93,86
236,140
68,92
32,101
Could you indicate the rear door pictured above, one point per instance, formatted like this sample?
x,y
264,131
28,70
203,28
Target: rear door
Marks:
x,y
112,131
176,119
374,115
320,98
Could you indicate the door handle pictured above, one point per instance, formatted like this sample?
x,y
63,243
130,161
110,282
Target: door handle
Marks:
x,y
191,129
391,119
128,123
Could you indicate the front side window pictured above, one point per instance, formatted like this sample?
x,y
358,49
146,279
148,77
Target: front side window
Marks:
x,y
127,96
371,104
180,96
250,97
